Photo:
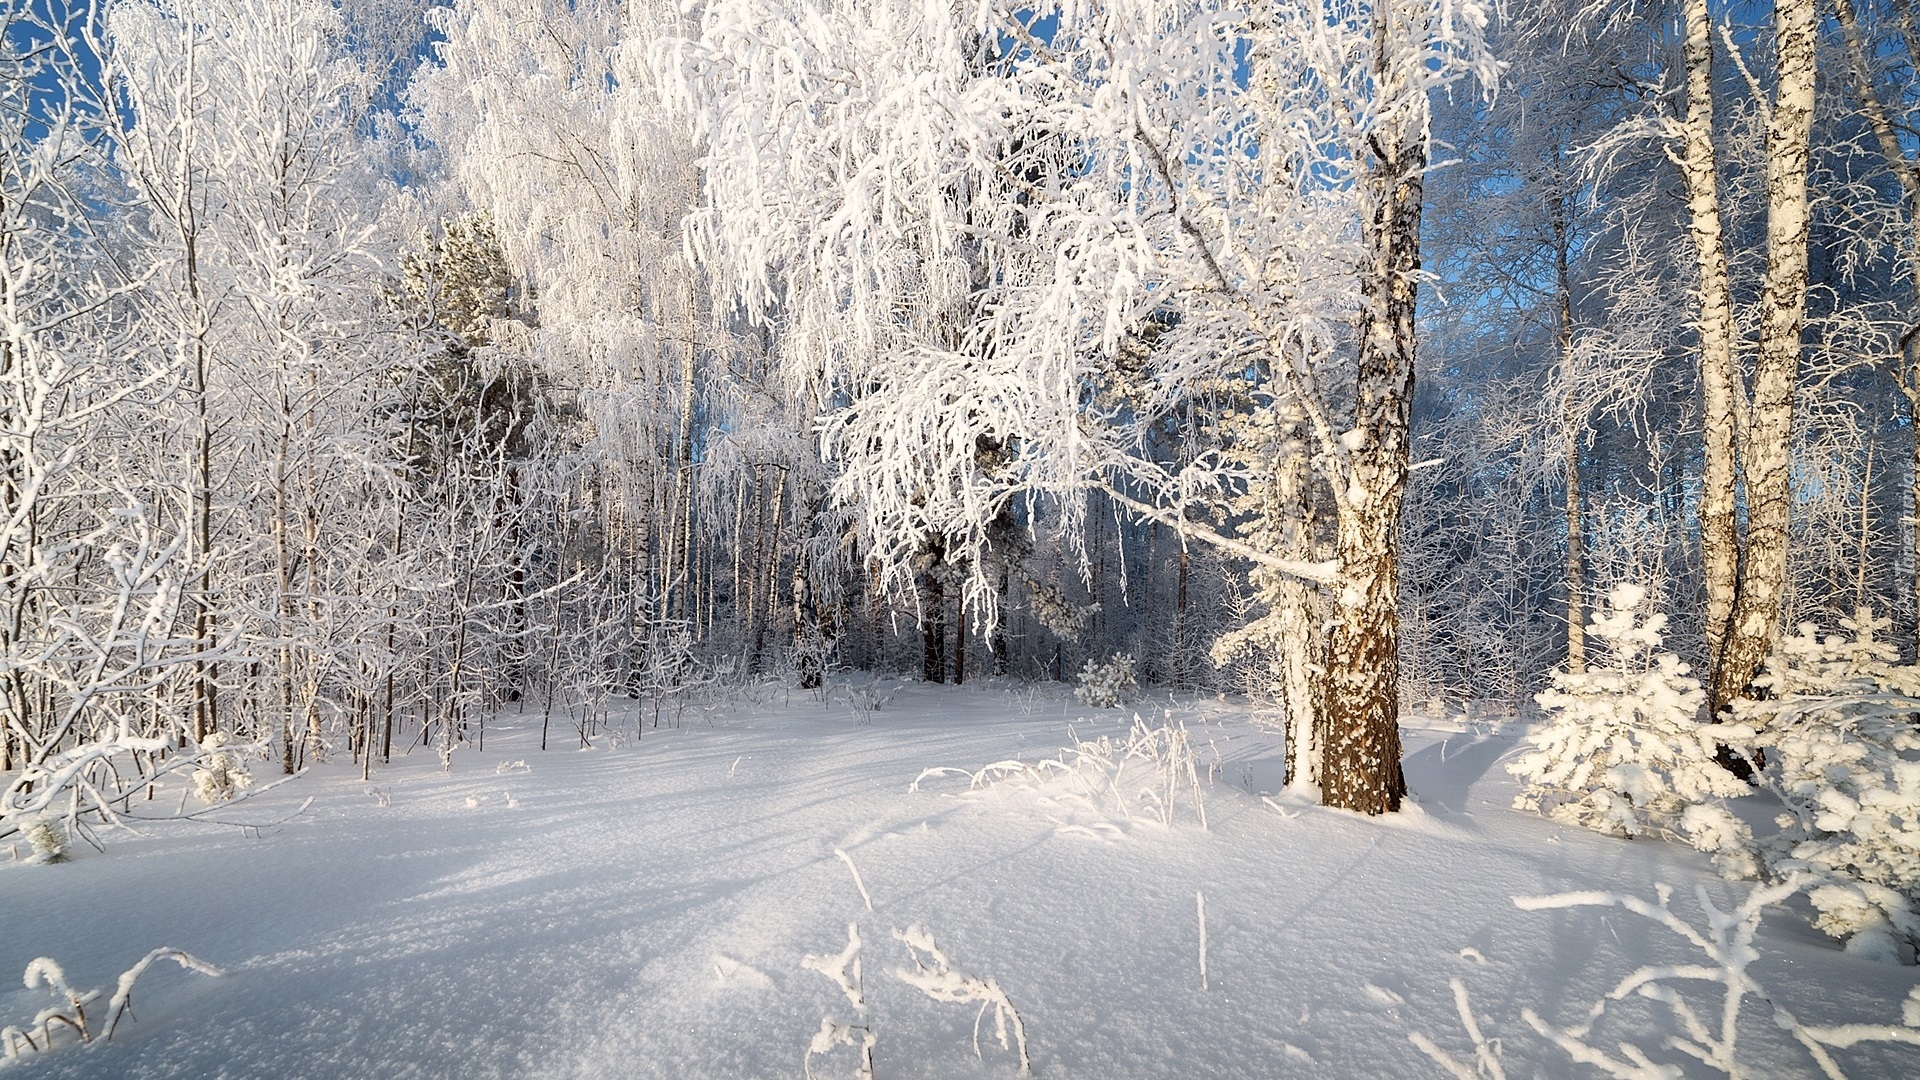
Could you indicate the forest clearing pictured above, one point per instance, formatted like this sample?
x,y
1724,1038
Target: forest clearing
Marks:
x,y
645,907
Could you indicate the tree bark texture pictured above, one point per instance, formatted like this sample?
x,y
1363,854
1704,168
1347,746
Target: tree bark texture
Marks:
x,y
1755,623
1719,544
1361,761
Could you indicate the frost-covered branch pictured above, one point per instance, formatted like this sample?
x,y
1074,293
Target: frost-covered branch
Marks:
x,y
69,1011
933,975
1706,1031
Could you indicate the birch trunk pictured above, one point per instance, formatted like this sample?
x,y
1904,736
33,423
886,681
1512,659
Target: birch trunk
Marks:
x,y
1298,606
1719,546
1361,761
1302,682
1754,624
1573,423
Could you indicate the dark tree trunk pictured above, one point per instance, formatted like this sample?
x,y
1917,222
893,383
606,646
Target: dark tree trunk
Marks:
x,y
1361,768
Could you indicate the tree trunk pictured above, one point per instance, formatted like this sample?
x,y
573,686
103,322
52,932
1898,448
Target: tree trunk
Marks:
x,y
1754,624
1180,620
680,514
959,642
1719,546
1361,761
1574,425
1302,681
809,637
1576,564
768,588
933,613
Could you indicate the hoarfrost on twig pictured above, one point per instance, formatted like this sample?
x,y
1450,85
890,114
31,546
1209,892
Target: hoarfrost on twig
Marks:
x,y
933,975
861,885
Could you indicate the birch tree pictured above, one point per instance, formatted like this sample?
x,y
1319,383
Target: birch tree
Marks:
x,y
1109,169
1748,434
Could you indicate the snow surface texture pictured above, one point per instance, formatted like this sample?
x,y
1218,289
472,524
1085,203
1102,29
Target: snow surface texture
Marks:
x,y
647,911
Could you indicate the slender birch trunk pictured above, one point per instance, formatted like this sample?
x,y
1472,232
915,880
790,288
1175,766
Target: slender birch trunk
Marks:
x,y
1755,622
1719,544
1573,424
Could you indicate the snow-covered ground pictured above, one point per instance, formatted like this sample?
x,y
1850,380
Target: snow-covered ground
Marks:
x,y
642,908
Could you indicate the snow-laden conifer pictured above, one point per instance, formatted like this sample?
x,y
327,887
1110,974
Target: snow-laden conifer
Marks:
x,y
1107,684
1622,750
1838,736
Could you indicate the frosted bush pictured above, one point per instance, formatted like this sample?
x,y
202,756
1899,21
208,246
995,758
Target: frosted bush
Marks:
x,y
1108,685
94,782
47,837
221,771
1622,751
1151,771
1843,756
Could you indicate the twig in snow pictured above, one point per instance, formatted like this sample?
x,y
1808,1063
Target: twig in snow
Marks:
x,y
1200,902
70,1008
933,975
861,885
1485,1053
844,971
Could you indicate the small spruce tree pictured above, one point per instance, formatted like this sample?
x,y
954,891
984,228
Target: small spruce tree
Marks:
x,y
1623,751
1837,728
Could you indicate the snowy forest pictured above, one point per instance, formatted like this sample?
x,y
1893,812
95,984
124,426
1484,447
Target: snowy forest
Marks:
x,y
1379,421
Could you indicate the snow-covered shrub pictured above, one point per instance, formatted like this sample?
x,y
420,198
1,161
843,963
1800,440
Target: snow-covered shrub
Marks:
x,y
1622,750
1843,755
92,783
68,1013
1155,763
221,771
48,839
933,975
1708,1032
870,697
1107,685
1151,769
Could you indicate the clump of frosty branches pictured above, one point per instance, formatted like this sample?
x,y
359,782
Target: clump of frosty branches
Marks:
x,y
869,697
95,781
46,839
933,975
1147,773
1107,685
843,970
1707,1031
221,771
68,1013
1623,751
